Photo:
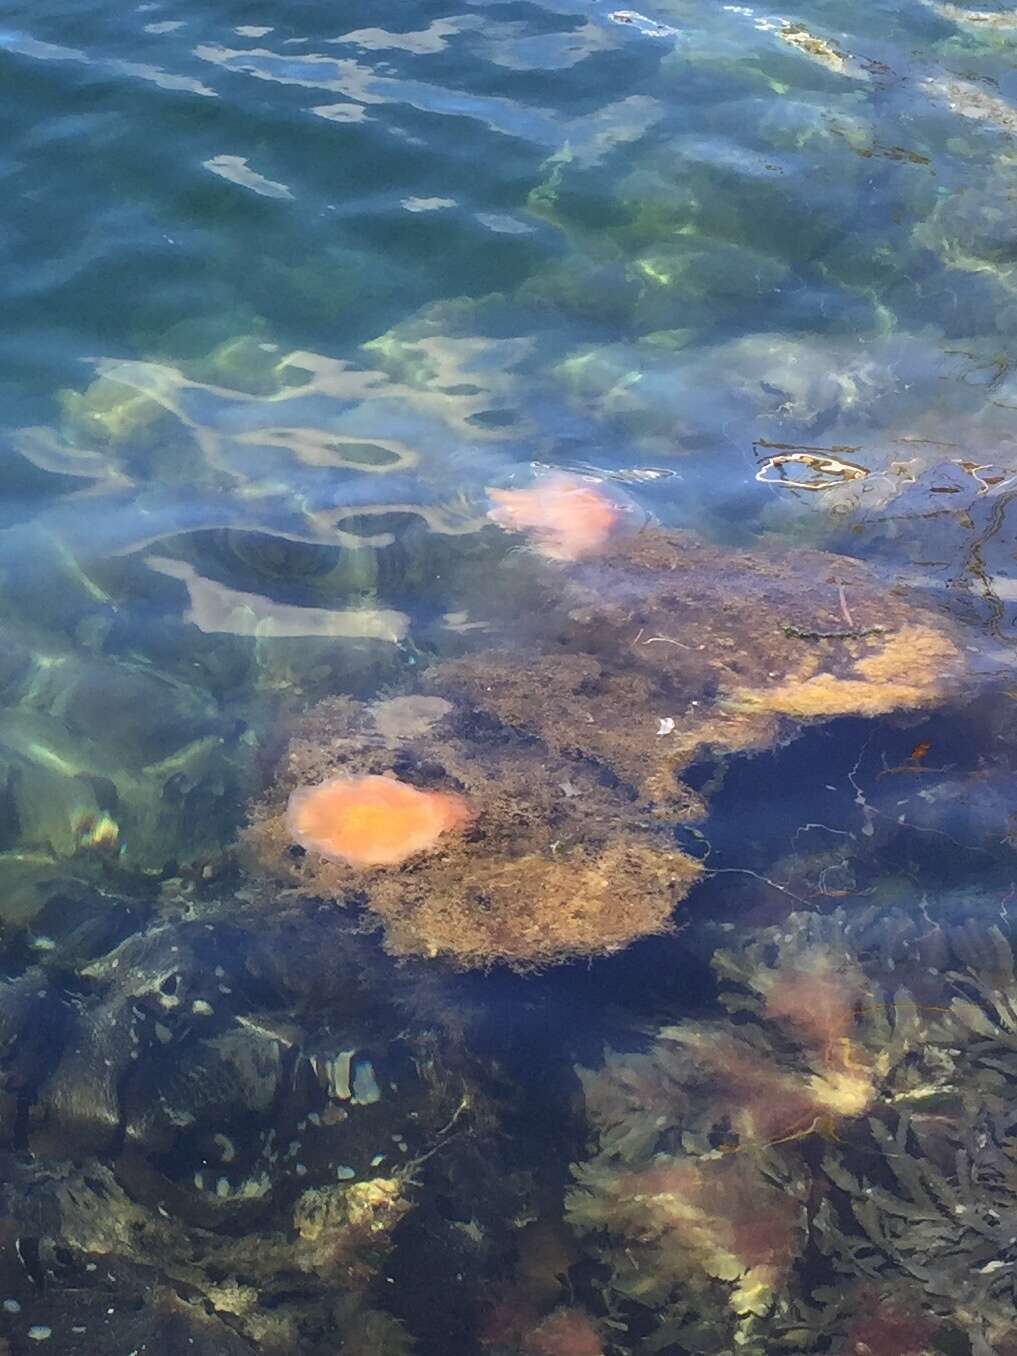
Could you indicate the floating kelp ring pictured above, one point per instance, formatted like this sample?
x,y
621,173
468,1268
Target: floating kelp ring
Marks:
x,y
828,471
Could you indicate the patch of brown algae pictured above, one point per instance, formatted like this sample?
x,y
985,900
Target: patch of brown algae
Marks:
x,y
554,862
668,649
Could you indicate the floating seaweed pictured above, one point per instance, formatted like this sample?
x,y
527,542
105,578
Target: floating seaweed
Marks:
x,y
824,51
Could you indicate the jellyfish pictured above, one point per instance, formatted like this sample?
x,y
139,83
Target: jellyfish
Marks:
x,y
372,821
565,517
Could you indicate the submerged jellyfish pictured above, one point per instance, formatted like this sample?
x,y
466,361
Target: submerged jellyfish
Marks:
x,y
372,821
565,517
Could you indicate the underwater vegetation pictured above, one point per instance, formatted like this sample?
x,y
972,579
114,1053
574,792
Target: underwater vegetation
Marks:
x,y
465,839
851,1121
666,647
521,808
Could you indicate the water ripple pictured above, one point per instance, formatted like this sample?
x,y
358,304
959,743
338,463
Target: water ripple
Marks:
x,y
23,45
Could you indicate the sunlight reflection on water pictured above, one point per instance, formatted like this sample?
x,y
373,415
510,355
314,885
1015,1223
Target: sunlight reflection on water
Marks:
x,y
582,440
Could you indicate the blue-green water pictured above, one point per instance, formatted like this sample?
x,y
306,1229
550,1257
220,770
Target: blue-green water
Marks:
x,y
604,420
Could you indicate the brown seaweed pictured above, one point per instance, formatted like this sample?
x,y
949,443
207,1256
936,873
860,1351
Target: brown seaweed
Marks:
x,y
835,1123
554,864
667,648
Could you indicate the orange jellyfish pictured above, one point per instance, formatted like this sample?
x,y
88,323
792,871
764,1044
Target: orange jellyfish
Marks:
x,y
565,517
372,821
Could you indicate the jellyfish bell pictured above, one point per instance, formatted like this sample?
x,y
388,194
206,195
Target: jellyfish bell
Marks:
x,y
566,517
372,821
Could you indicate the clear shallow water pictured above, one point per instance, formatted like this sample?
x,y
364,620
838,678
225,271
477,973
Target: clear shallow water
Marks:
x,y
290,299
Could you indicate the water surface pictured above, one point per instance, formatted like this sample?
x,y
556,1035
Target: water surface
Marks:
x,y
700,1036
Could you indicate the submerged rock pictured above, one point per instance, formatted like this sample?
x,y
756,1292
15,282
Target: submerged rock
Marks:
x,y
114,768
769,386
221,1195
567,746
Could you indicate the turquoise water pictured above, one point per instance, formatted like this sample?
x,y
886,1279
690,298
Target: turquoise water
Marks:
x,y
599,423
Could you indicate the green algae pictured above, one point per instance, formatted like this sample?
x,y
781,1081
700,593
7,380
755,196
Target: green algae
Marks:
x,y
110,414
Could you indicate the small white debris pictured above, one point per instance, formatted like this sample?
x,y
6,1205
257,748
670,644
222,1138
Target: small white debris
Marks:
x,y
162,1033
38,1332
344,1173
201,1009
665,725
377,1160
43,943
222,1188
12,1306
649,27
